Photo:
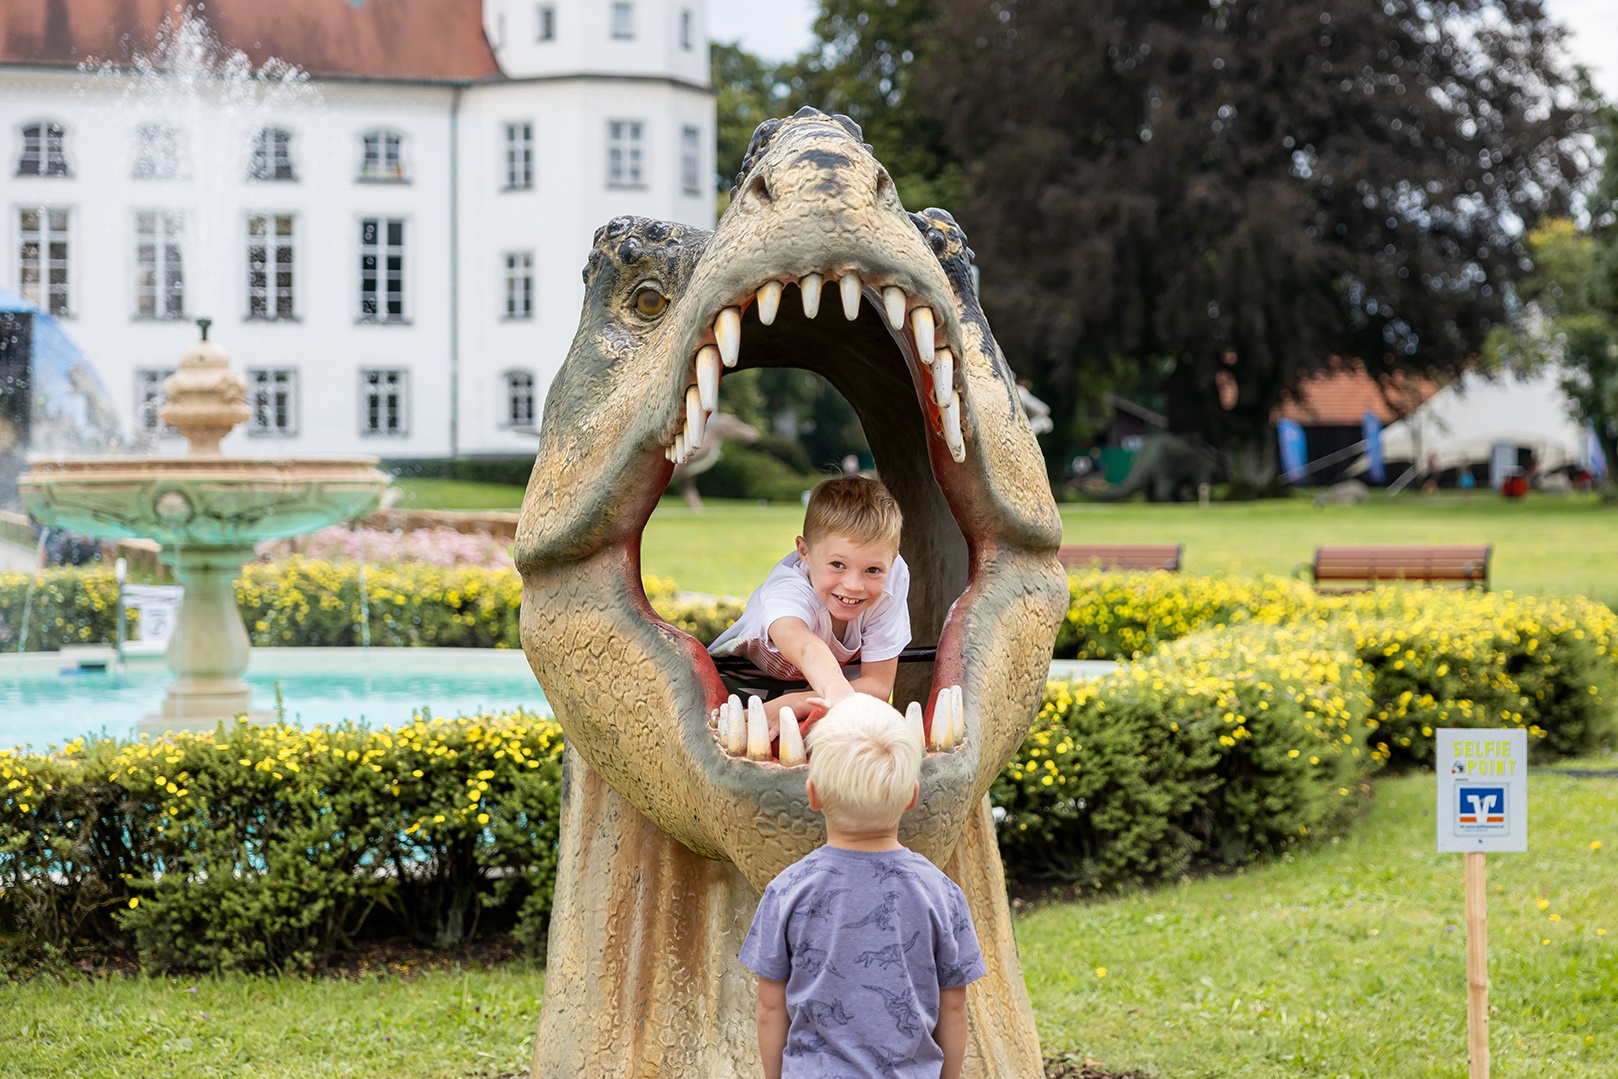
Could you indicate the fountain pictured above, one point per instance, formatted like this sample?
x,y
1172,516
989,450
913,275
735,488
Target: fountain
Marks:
x,y
208,511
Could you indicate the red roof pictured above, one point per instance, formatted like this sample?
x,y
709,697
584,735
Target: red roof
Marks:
x,y
407,40
1341,398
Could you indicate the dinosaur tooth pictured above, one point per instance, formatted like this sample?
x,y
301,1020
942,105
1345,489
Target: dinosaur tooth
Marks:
x,y
736,746
893,300
957,698
680,449
722,726
758,731
727,331
769,301
694,417
943,376
951,418
849,285
937,352
921,324
809,288
938,732
917,728
791,740
708,377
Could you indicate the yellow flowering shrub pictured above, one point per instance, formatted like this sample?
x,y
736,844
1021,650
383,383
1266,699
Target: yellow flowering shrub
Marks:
x,y
269,846
71,605
1215,748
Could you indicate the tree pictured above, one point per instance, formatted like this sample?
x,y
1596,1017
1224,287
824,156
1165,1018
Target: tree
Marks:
x,y
748,92
1569,316
1237,191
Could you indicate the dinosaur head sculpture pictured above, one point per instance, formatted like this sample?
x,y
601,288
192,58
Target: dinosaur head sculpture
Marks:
x,y
816,265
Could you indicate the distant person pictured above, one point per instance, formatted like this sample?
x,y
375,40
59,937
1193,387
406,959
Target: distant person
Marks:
x,y
834,612
1468,482
863,949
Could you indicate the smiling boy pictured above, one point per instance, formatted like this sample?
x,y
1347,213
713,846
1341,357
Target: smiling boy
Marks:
x,y
838,600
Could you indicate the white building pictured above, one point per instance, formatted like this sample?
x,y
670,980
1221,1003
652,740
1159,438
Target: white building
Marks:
x,y
393,258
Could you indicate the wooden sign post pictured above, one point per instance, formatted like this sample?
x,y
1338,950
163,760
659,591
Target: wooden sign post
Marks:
x,y
1482,807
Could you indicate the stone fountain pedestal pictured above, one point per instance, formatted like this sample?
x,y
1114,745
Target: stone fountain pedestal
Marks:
x,y
208,511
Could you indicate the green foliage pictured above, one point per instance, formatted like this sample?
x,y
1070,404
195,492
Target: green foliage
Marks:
x,y
1215,749
747,473
268,846
748,92
71,605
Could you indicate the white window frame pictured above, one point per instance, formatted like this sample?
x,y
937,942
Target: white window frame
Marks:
x,y
159,280
382,284
149,401
382,157
520,398
545,22
157,152
519,152
626,153
272,395
53,296
47,146
518,285
271,293
271,160
691,160
377,384
623,21
687,22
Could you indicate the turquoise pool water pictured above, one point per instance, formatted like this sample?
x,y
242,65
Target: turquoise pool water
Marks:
x,y
45,701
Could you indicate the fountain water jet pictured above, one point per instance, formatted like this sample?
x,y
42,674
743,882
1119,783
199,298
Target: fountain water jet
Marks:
x,y
208,511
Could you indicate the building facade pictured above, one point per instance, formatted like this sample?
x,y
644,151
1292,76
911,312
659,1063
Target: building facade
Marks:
x,y
390,249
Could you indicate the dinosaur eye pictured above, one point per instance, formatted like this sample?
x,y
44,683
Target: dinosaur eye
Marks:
x,y
650,302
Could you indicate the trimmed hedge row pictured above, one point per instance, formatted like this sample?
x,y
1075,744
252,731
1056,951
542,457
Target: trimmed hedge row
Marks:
x,y
270,846
309,603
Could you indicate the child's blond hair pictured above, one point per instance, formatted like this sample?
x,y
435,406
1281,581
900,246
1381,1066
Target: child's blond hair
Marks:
x,y
854,506
864,761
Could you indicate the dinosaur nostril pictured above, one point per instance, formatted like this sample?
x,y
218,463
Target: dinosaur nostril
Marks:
x,y
884,185
760,189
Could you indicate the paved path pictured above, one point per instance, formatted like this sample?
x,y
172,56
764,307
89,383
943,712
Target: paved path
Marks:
x,y
15,557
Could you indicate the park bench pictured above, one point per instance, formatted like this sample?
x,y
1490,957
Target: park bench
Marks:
x,y
1136,556
1350,569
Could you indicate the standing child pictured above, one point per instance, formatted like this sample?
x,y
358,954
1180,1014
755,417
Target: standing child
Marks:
x,y
863,949
837,600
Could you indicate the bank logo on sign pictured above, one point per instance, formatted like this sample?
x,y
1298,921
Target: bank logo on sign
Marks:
x,y
1480,810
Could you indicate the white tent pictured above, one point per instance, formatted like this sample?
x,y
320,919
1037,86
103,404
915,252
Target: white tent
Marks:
x,y
1461,424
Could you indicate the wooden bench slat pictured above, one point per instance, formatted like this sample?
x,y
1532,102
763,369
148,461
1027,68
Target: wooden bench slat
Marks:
x,y
1468,563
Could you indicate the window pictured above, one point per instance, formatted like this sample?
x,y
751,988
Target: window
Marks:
x,y
519,156
382,269
157,152
519,398
272,155
382,160
623,153
547,22
685,28
149,400
623,20
520,284
272,394
690,161
383,401
42,257
43,151
269,266
159,265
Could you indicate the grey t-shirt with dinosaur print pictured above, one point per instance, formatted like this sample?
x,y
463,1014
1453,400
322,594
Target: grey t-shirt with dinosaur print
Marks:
x,y
864,941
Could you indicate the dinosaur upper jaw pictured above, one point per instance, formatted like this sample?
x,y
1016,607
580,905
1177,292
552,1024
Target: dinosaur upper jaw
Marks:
x,y
636,696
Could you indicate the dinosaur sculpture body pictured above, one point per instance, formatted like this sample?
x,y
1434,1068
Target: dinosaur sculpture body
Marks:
x,y
668,835
1168,468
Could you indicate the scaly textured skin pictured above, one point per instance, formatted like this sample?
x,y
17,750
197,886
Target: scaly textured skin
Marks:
x,y
666,840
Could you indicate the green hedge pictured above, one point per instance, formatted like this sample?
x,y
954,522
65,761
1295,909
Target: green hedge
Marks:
x,y
310,603
269,846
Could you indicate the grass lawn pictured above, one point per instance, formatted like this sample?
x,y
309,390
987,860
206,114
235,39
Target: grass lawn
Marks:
x,y
434,494
1348,960
1541,544
1338,961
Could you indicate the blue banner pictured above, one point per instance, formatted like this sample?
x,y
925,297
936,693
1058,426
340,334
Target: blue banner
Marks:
x,y
1293,450
1371,431
1592,451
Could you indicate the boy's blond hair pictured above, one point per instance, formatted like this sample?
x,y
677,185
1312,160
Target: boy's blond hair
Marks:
x,y
853,506
864,761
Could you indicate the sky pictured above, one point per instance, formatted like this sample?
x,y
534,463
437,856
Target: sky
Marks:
x,y
778,29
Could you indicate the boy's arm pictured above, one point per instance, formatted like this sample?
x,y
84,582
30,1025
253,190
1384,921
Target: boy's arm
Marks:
x,y
799,646
950,1034
773,1023
877,678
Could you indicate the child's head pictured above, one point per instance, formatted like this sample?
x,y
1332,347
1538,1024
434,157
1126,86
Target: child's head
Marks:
x,y
864,761
850,539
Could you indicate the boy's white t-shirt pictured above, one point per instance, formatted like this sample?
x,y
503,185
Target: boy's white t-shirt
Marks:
x,y
880,632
